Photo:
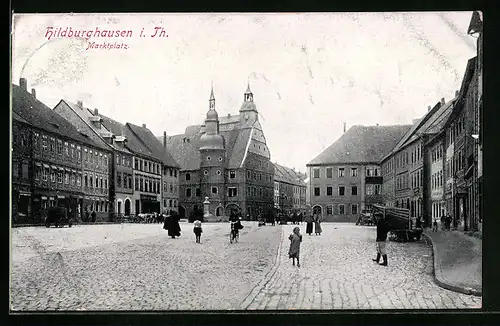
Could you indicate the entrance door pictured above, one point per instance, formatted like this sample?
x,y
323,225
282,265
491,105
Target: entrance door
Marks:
x,y
182,212
119,207
218,211
127,207
137,206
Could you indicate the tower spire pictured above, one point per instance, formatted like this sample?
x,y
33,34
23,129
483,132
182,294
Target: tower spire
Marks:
x,y
212,98
248,96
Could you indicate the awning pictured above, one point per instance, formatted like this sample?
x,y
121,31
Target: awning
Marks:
x,y
74,171
38,164
44,197
51,198
69,170
45,165
54,167
61,168
60,197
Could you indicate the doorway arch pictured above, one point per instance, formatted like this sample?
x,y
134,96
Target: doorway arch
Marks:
x,y
317,210
232,208
182,211
127,207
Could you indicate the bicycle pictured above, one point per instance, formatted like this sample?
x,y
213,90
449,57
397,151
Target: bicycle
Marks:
x,y
233,234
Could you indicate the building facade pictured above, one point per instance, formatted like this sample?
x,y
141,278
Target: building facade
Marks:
x,y
346,178
119,184
461,145
22,169
59,161
289,190
227,160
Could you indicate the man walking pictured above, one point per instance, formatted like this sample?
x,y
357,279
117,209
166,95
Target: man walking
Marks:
x,y
382,229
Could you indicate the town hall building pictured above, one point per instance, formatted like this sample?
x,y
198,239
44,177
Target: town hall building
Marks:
x,y
227,160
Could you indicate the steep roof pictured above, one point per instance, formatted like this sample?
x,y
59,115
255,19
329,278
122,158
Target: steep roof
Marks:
x,y
38,114
285,174
133,143
17,117
155,147
362,144
185,147
84,115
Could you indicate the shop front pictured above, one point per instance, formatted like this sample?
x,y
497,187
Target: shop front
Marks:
x,y
21,204
149,204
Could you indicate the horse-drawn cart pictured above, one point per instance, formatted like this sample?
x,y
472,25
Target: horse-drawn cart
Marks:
x,y
399,222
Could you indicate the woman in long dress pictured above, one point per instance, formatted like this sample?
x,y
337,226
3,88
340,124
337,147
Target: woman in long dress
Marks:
x,y
317,225
309,224
174,229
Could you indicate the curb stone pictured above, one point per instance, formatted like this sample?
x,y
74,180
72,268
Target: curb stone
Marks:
x,y
438,278
257,289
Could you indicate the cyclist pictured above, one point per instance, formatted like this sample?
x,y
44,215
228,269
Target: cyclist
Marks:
x,y
235,225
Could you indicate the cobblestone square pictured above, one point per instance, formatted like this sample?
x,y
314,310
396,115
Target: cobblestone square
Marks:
x,y
137,267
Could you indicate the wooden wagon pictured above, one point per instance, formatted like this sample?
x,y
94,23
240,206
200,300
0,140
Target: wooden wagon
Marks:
x,y
399,222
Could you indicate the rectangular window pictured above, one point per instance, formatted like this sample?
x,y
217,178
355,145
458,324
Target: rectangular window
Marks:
x,y
136,184
377,172
354,190
198,192
53,175
369,189
188,176
66,178
368,172
354,172
215,190
316,173
119,179
317,191
232,174
329,210
38,172
341,172
72,180
52,144
59,177
329,173
341,191
354,209
329,191
377,189
188,192
341,209
232,192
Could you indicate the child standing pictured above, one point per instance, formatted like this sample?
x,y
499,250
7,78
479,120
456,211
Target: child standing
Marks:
x,y
295,240
197,230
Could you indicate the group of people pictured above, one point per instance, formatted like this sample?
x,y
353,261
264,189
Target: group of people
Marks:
x,y
313,220
445,222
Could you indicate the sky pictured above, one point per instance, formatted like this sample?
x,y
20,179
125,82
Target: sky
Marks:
x,y
309,72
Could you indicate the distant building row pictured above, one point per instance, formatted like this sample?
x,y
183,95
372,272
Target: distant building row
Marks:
x,y
77,158
432,168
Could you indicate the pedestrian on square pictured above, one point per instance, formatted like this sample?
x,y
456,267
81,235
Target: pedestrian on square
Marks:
x,y
382,230
447,222
435,226
166,222
317,224
309,224
443,222
294,251
197,230
174,229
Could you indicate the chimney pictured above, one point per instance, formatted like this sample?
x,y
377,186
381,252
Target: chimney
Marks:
x,y
429,108
229,115
79,103
33,92
442,101
96,112
164,139
344,127
23,83
144,125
